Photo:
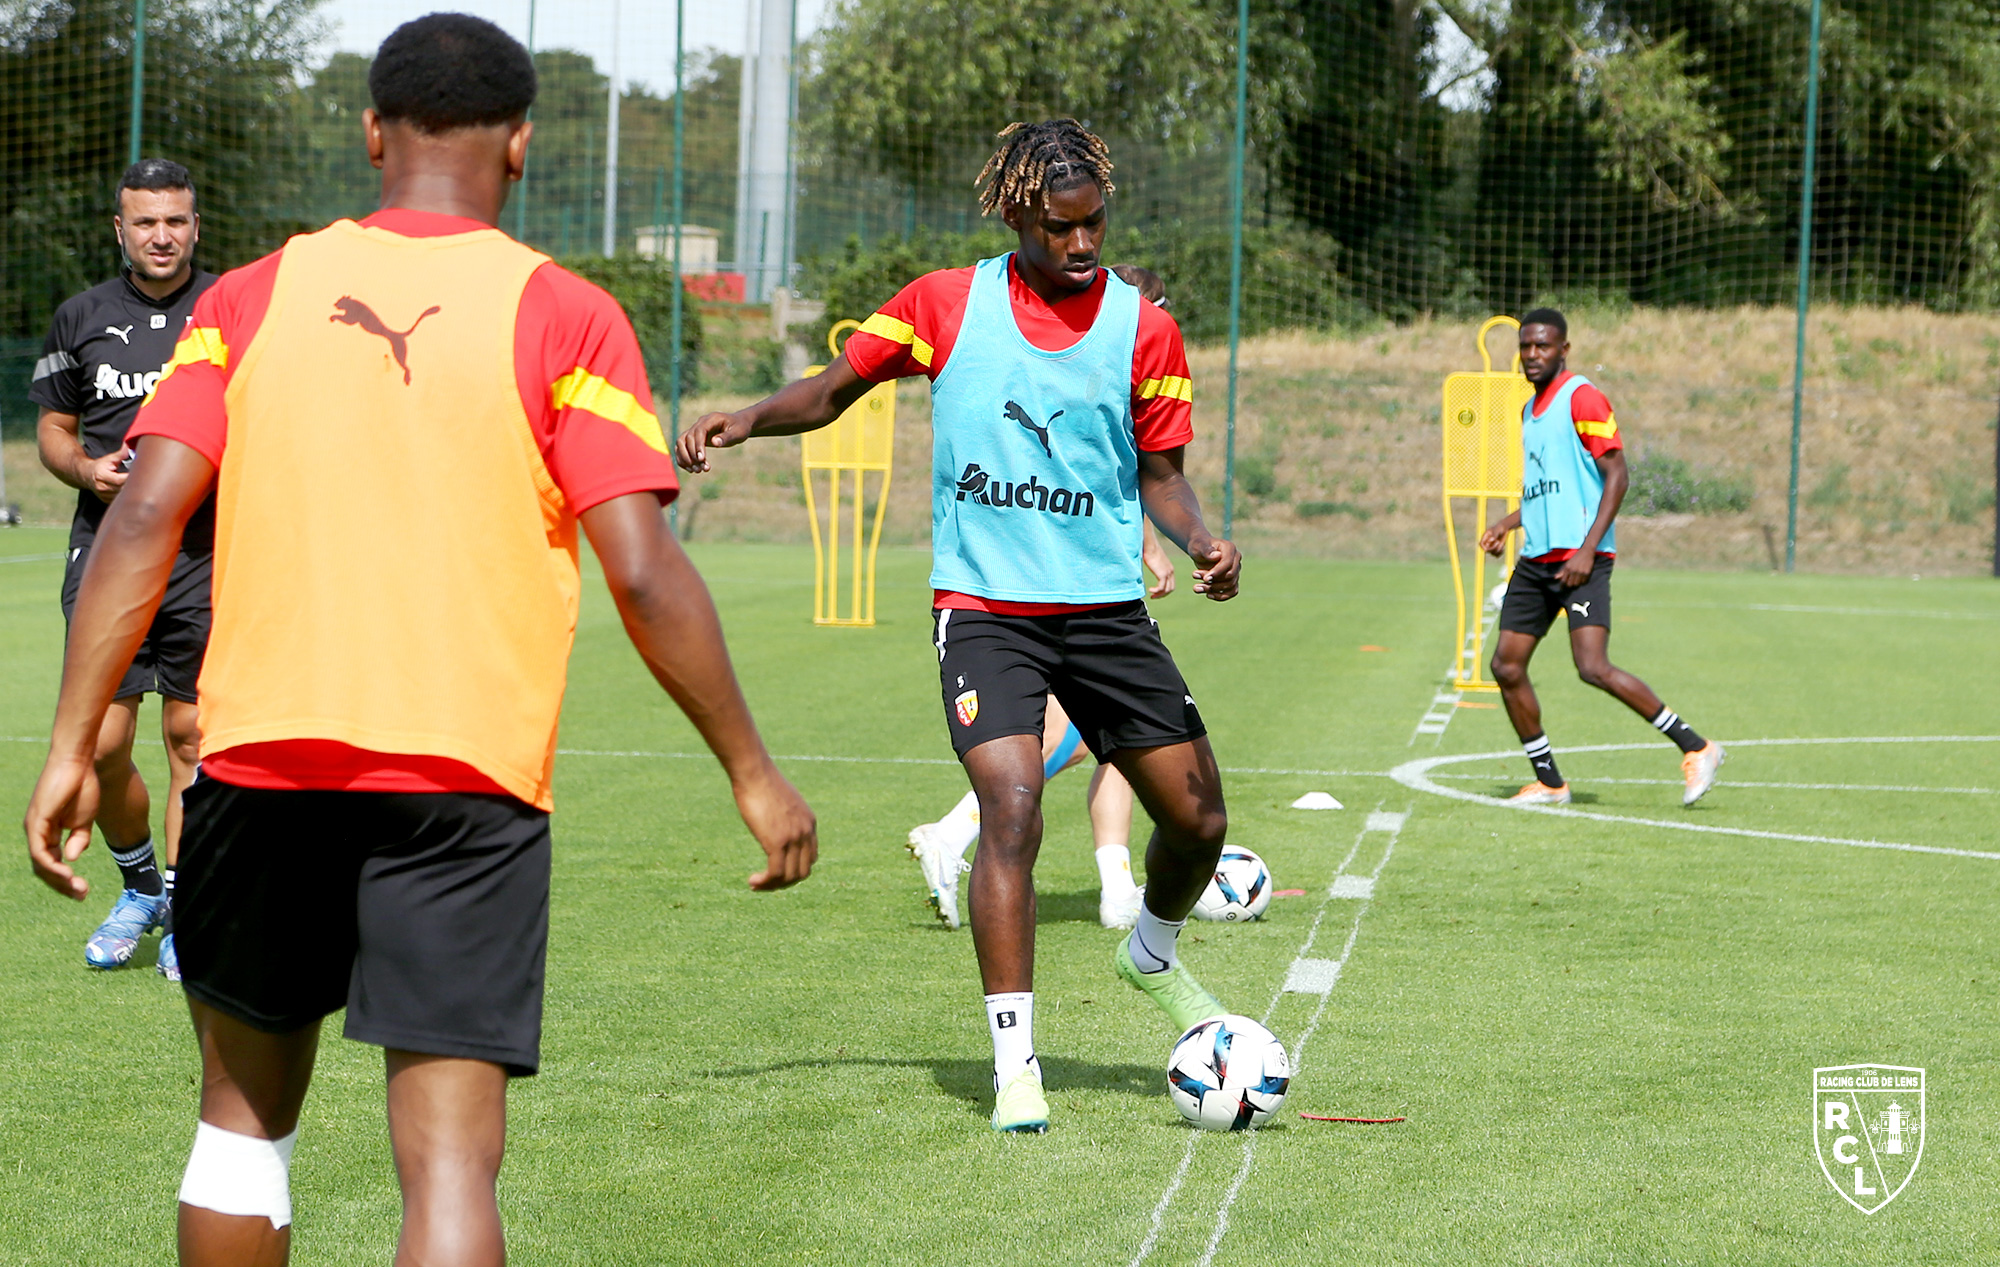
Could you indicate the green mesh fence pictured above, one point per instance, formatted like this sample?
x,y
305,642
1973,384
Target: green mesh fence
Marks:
x,y
1409,169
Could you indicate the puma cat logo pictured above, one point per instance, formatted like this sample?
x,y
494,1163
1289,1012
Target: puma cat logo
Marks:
x,y
1581,609
124,336
1020,415
353,312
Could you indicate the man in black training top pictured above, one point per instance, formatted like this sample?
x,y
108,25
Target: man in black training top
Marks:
x,y
104,353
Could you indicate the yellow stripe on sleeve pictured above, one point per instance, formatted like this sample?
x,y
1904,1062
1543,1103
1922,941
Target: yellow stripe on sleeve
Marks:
x,y
1602,430
884,326
581,389
200,344
1173,387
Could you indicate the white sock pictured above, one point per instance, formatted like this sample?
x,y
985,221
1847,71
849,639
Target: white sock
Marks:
x,y
1114,872
960,828
1011,1018
1154,941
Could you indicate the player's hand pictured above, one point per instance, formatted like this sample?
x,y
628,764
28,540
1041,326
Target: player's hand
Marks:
x,y
1161,565
60,813
783,824
1493,540
103,477
710,431
1576,569
1217,566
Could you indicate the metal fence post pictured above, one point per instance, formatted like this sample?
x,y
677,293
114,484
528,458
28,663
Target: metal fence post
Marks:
x,y
1236,261
1805,283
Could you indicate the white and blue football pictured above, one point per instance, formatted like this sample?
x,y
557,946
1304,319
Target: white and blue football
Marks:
x,y
1228,1073
1240,889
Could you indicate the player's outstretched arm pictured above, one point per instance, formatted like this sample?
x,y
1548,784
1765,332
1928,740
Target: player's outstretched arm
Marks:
x,y
122,584
806,404
672,622
1495,536
1170,503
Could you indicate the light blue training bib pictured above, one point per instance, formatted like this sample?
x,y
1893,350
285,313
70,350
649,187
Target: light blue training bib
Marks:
x,y
1035,469
1561,486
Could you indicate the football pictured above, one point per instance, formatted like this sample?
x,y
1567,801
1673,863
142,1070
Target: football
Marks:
x,y
1228,1073
1240,890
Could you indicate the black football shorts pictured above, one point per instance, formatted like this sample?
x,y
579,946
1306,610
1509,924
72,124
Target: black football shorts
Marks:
x,y
425,915
169,660
1107,665
1534,596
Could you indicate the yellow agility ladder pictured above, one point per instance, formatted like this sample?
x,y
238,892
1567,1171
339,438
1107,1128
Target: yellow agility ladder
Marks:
x,y
1482,461
861,440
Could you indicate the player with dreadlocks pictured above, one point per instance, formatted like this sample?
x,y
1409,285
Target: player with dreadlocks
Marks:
x,y
1061,408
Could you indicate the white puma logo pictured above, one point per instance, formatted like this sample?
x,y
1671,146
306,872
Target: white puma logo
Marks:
x,y
1581,609
124,336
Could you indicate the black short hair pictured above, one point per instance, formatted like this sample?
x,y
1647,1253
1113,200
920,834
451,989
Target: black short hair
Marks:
x,y
151,173
451,70
1548,317
1148,283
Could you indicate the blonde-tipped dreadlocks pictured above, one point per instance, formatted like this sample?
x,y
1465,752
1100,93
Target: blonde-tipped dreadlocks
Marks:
x,y
1040,158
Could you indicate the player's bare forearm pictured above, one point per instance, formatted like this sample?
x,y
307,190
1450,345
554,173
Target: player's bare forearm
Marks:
x,y
122,584
1495,535
805,404
61,451
129,565
1170,502
672,622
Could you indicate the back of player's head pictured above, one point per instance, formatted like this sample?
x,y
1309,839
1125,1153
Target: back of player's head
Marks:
x,y
152,173
1042,158
1548,317
1150,287
451,70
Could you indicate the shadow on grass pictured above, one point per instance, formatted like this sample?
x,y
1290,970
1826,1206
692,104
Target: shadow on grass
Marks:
x,y
1501,793
971,1081
1079,907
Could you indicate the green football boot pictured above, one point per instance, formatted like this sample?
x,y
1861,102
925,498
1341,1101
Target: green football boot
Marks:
x,y
1176,991
1019,1106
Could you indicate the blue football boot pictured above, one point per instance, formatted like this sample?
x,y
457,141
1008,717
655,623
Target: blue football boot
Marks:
x,y
132,916
169,965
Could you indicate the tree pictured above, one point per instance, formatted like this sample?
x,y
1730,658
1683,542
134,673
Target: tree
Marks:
x,y
917,91
221,97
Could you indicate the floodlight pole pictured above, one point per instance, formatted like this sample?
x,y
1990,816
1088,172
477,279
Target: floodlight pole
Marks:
x,y
138,80
674,383
1236,261
1805,282
521,194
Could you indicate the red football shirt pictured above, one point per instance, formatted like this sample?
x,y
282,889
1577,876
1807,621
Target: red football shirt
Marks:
x,y
914,334
1596,427
563,325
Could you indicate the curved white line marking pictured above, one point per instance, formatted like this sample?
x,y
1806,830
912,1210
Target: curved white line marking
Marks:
x,y
1416,775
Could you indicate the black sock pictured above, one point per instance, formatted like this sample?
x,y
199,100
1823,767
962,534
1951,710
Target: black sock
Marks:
x,y
167,877
136,865
1543,760
1669,723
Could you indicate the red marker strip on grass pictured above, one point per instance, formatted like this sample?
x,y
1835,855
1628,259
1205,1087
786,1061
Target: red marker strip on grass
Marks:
x,y
1366,1121
1288,893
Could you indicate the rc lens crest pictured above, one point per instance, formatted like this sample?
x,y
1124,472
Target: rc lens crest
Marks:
x,y
967,705
1868,1129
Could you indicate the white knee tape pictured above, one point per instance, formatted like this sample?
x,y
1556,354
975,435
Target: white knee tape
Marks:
x,y
240,1174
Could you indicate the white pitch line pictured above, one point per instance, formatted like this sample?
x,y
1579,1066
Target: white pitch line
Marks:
x,y
1795,787
1390,824
1417,775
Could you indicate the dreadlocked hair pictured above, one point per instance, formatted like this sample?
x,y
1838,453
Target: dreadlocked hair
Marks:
x,y
1040,158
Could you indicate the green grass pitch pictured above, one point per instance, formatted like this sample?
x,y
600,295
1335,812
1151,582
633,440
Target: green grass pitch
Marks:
x,y
1602,1033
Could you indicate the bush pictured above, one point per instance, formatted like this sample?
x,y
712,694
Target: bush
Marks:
x,y
1320,510
645,289
1663,485
1290,276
